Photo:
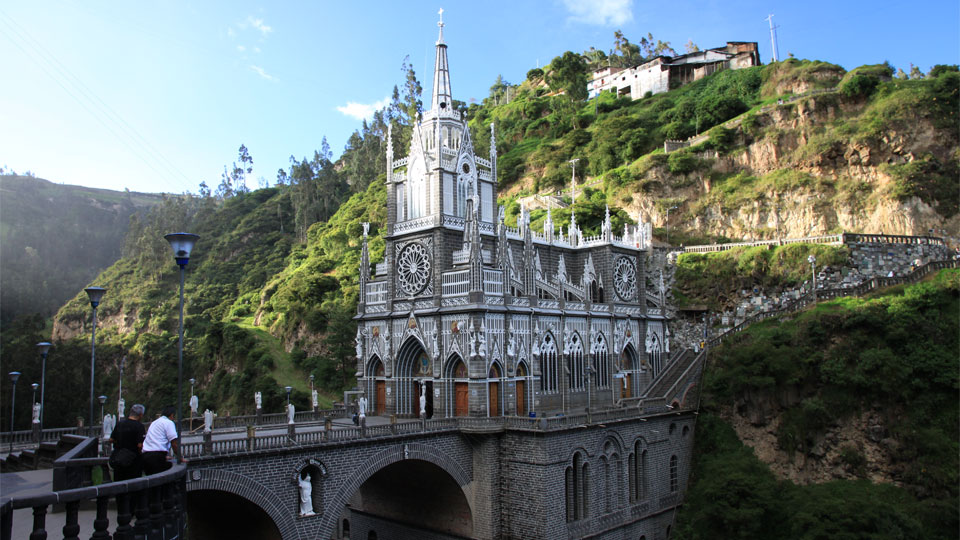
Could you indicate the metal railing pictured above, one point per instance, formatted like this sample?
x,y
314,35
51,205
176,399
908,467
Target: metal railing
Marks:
x,y
156,501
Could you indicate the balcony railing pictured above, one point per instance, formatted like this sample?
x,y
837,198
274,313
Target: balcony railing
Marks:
x,y
456,283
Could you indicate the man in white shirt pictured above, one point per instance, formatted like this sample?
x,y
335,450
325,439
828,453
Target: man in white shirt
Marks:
x,y
161,437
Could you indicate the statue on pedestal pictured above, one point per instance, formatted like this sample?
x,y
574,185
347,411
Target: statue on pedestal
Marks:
x,y
290,413
194,405
423,400
362,407
259,399
36,413
208,421
316,399
121,406
107,427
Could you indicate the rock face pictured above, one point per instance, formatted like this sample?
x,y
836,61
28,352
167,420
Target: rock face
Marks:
x,y
833,184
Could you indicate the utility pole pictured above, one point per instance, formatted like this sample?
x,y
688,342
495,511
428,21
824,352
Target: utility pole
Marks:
x,y
573,180
773,37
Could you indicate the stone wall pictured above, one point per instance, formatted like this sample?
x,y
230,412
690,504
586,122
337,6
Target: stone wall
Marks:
x,y
871,256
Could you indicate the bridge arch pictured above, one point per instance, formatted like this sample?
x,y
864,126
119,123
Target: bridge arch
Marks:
x,y
244,487
382,460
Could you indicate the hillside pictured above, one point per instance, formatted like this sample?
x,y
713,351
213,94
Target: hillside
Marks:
x,y
861,151
848,418
55,238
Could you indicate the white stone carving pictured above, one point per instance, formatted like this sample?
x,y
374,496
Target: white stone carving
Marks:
x,y
625,279
413,268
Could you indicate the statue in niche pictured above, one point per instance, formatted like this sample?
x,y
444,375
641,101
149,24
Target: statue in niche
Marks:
x,y
423,400
359,343
306,495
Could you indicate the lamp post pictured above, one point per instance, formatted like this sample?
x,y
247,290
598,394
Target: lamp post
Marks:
x,y
44,348
102,399
14,375
288,389
95,294
120,403
311,383
182,243
33,398
813,271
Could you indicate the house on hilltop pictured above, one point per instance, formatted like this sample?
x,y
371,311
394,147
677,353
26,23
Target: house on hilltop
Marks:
x,y
663,73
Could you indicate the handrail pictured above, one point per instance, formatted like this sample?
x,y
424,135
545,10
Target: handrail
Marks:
x,y
166,519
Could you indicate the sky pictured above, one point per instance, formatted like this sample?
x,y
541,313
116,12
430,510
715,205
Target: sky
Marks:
x,y
159,96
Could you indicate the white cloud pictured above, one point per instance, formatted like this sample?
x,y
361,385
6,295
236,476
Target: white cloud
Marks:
x,y
259,71
362,111
600,12
241,48
259,25
256,50
230,32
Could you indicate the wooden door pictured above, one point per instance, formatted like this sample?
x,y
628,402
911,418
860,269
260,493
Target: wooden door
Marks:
x,y
461,405
494,399
521,399
380,406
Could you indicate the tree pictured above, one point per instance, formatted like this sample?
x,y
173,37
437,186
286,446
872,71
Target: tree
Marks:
x,y
412,105
626,54
568,74
691,47
499,89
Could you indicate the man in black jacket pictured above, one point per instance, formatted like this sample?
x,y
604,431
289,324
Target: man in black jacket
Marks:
x,y
129,435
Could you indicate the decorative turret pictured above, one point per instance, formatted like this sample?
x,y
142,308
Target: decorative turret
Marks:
x,y
607,231
548,227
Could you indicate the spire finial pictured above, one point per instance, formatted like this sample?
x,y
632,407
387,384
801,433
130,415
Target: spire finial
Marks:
x,y
440,24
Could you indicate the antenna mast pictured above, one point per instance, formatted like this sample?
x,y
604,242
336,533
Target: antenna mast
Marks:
x,y
773,37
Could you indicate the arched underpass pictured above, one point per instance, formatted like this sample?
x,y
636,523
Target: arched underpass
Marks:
x,y
214,515
410,499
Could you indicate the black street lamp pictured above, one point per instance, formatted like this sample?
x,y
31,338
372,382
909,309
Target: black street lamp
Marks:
x,y
288,389
102,400
182,243
95,294
14,375
44,348
813,272
120,403
33,399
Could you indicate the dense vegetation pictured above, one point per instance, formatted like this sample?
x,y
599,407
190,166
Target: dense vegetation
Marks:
x,y
709,278
55,238
895,354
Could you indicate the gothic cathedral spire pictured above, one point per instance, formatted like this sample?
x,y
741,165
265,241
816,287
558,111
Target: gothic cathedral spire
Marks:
x,y
442,98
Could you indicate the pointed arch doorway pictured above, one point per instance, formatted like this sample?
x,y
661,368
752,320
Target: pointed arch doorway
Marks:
x,y
414,375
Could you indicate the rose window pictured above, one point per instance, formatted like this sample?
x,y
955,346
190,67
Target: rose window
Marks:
x,y
625,279
413,269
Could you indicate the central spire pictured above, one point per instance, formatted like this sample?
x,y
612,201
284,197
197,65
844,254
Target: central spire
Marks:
x,y
442,96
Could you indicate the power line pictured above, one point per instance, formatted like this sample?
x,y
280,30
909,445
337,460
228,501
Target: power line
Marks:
x,y
72,85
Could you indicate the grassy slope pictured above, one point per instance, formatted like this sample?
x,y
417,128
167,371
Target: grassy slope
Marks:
x,y
895,352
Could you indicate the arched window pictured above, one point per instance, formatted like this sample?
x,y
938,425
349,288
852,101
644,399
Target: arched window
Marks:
x,y
576,480
638,473
548,365
655,360
601,363
674,479
461,197
575,357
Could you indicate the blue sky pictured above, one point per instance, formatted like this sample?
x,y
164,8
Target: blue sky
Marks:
x,y
158,96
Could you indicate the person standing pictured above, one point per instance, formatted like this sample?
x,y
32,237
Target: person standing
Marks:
x,y
161,438
127,438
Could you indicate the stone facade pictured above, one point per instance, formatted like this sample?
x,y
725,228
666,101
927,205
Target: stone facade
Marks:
x,y
476,318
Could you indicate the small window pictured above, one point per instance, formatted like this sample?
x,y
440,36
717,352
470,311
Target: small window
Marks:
x,y
466,168
673,427
686,429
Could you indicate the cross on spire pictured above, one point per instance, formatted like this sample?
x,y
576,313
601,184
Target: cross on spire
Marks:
x,y
440,24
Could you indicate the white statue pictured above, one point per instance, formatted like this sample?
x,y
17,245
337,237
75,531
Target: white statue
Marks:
x,y
259,399
194,405
316,399
36,413
108,423
482,338
359,343
121,405
208,421
290,413
423,400
362,407
306,495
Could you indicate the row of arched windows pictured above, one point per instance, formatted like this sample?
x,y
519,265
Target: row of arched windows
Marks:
x,y
611,486
577,374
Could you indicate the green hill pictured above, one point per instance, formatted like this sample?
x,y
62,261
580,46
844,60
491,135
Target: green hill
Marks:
x,y
55,238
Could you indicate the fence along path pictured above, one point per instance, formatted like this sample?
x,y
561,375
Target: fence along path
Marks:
x,y
827,294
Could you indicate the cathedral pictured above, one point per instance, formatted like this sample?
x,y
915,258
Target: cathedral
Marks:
x,y
467,316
